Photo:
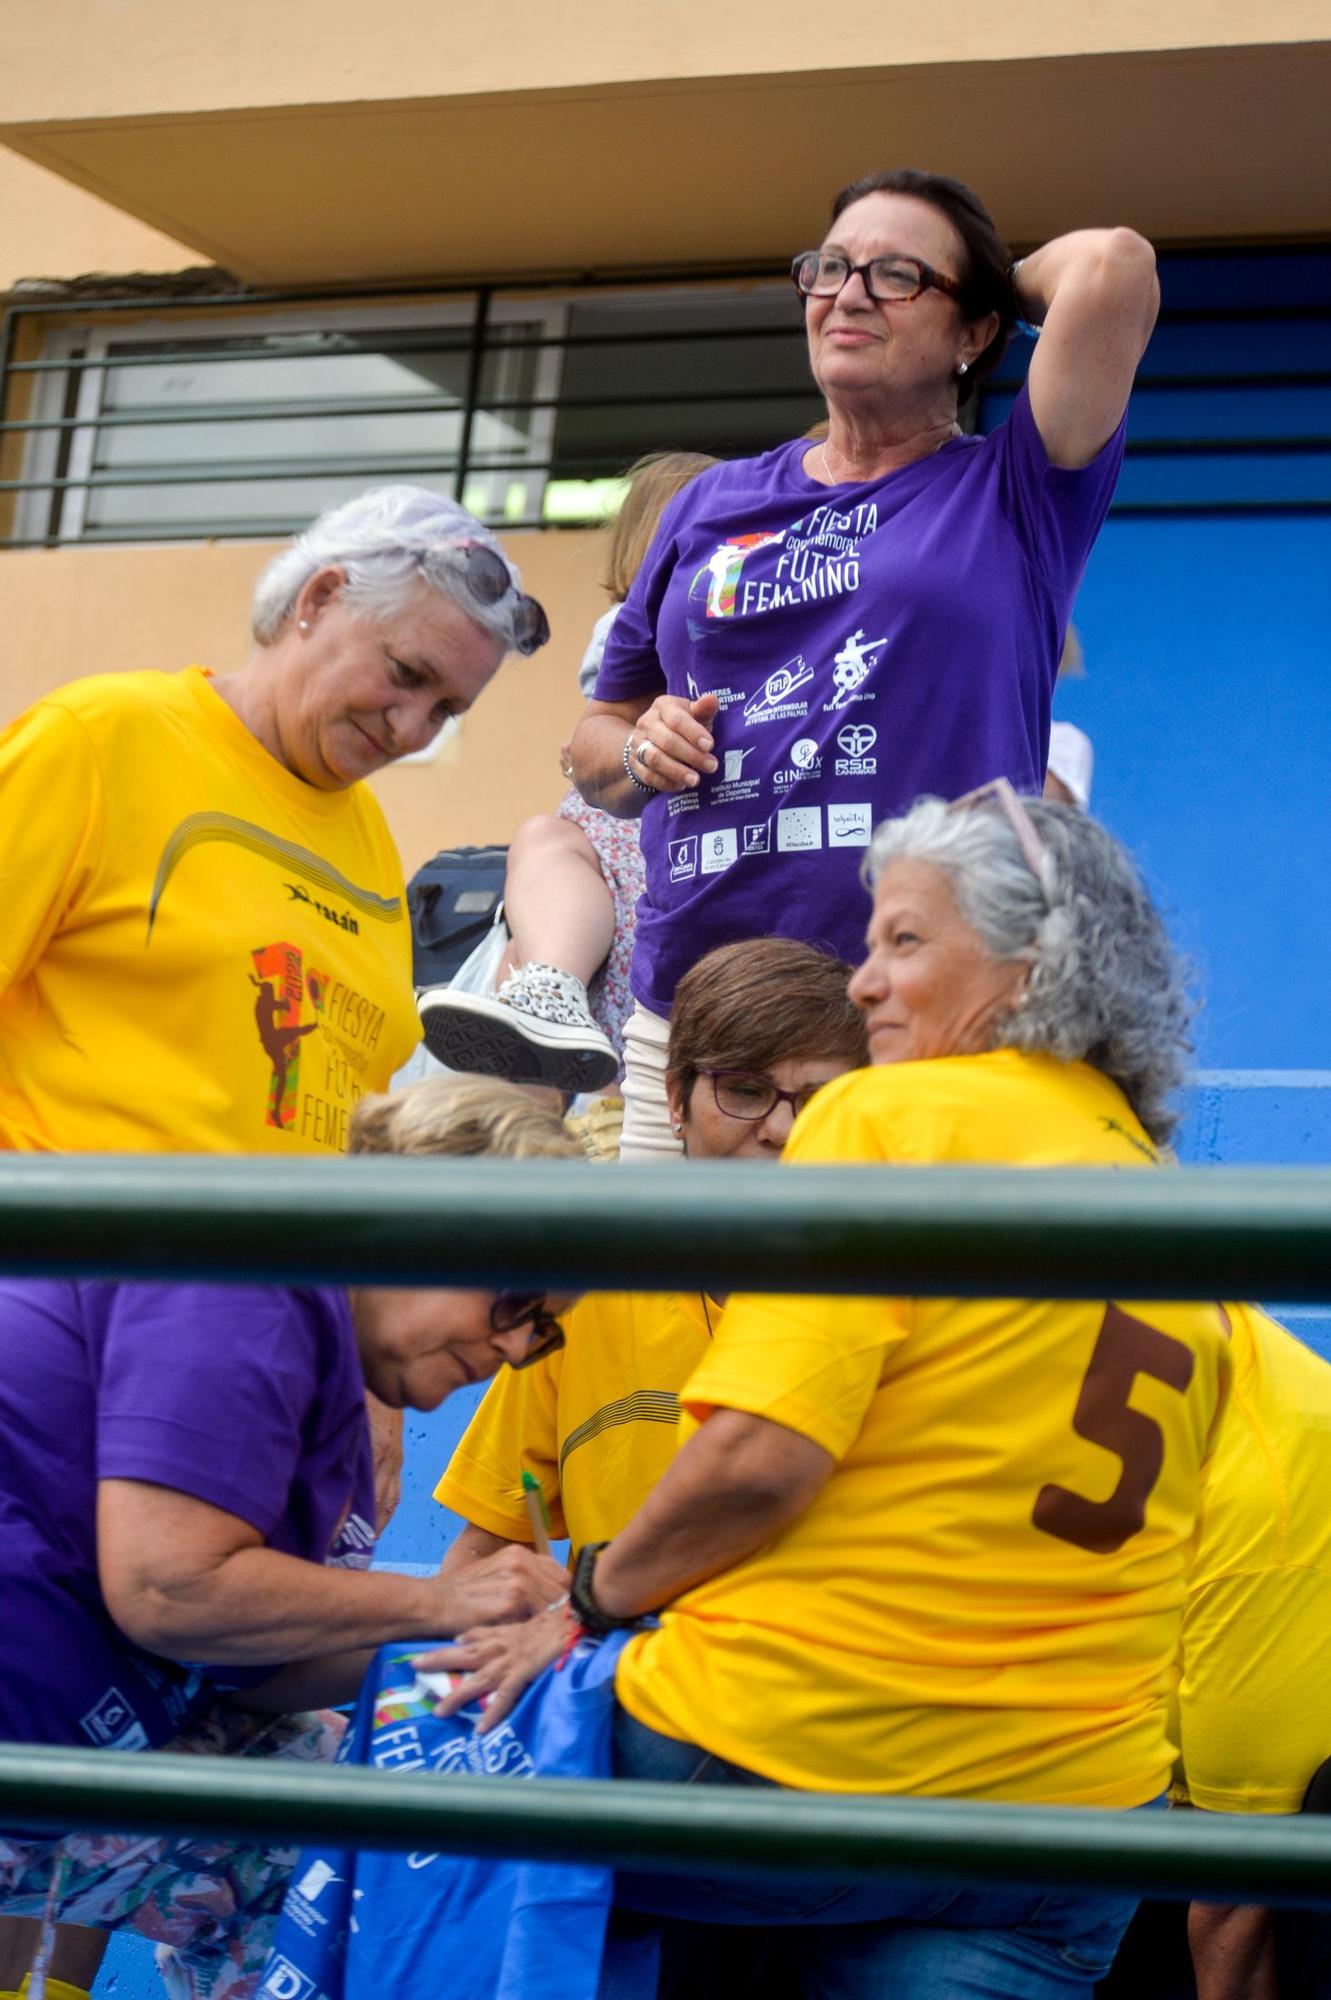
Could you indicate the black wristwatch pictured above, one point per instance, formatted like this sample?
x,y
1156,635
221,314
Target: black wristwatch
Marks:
x,y
583,1604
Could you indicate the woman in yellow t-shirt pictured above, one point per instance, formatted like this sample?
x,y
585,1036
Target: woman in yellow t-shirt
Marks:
x,y
205,944
758,1028
939,1546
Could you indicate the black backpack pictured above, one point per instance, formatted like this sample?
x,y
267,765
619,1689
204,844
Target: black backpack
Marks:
x,y
452,902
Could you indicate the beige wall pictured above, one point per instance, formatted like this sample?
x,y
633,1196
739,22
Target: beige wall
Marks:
x,y
110,610
719,170
53,230
149,59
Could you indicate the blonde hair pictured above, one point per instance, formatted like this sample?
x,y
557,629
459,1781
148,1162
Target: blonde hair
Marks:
x,y
461,1115
653,483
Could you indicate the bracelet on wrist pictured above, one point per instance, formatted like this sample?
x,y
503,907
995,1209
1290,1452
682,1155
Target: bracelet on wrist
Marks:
x,y
582,1600
630,773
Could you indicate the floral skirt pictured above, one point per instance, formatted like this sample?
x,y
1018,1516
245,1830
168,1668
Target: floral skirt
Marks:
x,y
615,842
210,1905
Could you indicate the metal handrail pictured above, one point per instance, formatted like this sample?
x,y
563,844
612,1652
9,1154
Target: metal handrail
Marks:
x,y
674,1830
1083,1233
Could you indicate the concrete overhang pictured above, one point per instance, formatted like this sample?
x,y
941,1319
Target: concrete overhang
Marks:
x,y
579,169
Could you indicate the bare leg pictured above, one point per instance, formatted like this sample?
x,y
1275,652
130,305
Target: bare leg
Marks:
x,y
1233,1952
558,907
77,1957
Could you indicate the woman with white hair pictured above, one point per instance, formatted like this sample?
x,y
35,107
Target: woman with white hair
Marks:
x,y
940,1546
206,946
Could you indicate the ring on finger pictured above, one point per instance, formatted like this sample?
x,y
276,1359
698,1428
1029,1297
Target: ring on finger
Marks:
x,y
643,748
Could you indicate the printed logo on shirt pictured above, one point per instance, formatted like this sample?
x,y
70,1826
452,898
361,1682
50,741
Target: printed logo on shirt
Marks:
x,y
684,858
798,828
112,1724
285,1981
719,849
343,918
856,740
723,569
734,787
317,1105
301,1899
816,557
805,763
851,668
291,858
316,1879
726,697
774,700
352,1545
757,837
849,826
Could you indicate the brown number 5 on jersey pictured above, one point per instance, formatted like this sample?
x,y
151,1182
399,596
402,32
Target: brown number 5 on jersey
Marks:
x,y
1124,1349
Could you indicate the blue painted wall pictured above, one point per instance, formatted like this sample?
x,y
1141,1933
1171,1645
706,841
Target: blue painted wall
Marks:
x,y
1205,618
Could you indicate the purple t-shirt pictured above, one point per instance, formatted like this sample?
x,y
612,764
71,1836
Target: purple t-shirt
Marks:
x,y
869,644
248,1397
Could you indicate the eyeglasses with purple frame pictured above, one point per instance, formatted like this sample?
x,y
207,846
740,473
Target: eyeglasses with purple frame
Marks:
x,y
766,1096
511,1311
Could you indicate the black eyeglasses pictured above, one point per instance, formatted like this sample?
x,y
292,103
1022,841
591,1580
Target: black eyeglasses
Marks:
x,y
743,1093
821,274
511,1311
489,581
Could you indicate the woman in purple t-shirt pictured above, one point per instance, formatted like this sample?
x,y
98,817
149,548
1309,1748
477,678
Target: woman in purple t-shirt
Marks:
x,y
823,634
185,1477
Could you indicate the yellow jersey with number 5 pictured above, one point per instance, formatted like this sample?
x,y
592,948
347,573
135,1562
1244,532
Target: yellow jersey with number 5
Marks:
x,y
984,1600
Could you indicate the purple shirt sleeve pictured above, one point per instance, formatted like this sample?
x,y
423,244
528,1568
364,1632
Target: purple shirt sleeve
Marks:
x,y
1057,513
206,1389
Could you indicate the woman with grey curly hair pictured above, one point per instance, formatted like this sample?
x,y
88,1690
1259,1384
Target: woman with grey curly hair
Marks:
x,y
206,940
940,1547
1079,965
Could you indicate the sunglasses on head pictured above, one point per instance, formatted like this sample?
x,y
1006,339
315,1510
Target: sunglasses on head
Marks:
x,y
1001,793
488,578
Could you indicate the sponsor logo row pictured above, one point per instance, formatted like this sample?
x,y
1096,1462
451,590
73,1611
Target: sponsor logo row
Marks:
x,y
793,830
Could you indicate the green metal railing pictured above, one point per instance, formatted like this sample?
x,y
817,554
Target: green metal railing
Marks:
x,y
674,1830
1210,1233
1196,1232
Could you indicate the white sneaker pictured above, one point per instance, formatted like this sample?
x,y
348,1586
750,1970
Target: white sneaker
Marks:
x,y
535,1029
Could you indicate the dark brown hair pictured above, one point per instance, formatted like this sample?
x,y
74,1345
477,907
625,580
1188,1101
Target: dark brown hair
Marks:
x,y
986,279
758,1003
653,483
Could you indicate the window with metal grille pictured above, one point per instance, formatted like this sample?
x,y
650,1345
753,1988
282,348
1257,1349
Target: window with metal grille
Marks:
x,y
196,423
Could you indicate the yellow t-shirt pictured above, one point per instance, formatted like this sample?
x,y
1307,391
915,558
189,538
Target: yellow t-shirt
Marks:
x,y
981,1602
1254,1714
198,952
596,1422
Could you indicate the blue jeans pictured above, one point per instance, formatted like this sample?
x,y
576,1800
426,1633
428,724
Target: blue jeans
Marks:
x,y
879,1939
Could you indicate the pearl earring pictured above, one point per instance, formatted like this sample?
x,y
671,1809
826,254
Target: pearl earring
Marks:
x,y
962,367
304,625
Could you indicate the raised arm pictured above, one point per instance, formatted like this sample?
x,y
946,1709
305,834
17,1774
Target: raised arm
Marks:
x,y
675,735
1095,295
